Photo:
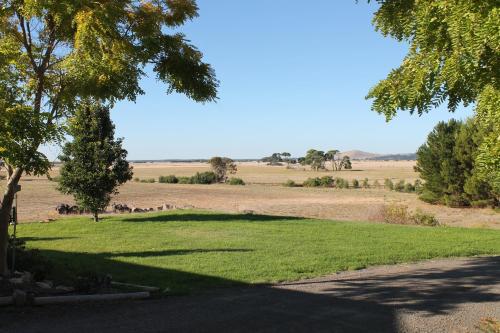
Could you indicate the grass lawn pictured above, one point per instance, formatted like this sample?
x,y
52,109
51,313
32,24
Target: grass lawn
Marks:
x,y
194,250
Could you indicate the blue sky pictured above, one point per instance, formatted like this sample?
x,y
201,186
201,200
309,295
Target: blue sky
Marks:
x,y
293,75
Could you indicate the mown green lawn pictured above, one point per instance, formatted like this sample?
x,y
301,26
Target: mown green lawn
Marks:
x,y
193,250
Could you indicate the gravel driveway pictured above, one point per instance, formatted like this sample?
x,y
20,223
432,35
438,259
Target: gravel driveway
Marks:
x,y
433,296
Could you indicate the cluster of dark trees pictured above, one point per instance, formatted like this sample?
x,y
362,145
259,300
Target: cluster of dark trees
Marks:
x,y
279,159
447,163
316,159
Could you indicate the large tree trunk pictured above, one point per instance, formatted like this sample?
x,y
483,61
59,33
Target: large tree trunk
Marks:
x,y
5,210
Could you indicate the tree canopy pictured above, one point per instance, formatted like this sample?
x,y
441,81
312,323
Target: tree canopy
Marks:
x,y
55,54
447,164
453,54
94,163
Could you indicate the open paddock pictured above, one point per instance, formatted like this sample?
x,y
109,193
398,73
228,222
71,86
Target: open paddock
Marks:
x,y
263,194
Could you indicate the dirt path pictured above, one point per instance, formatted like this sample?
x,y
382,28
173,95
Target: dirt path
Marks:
x,y
434,296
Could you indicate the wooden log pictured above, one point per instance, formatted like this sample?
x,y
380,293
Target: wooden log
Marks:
x,y
89,298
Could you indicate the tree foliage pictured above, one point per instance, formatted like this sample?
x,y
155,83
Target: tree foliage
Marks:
x,y
488,120
453,53
330,155
447,164
55,54
453,58
221,166
316,159
345,163
94,163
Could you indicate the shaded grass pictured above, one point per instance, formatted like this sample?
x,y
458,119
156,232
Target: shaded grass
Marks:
x,y
193,250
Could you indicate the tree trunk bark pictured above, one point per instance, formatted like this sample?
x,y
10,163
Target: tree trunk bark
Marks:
x,y
5,210
96,217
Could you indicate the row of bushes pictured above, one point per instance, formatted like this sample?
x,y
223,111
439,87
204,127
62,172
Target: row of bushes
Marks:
x,y
205,178
402,186
328,181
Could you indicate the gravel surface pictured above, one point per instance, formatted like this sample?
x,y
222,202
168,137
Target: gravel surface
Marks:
x,y
434,296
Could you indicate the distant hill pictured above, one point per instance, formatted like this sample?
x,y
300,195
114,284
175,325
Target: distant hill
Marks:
x,y
358,155
395,157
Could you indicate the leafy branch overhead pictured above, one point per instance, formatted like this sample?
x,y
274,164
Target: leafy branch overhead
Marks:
x,y
453,54
56,54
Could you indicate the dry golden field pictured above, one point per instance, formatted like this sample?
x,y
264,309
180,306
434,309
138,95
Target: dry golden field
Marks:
x,y
263,193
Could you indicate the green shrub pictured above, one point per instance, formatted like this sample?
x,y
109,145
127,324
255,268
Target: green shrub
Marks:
x,y
312,182
455,201
425,219
207,177
409,188
418,186
30,260
396,214
365,183
430,197
149,180
171,179
326,181
184,180
400,214
136,179
290,183
388,184
399,186
376,184
341,183
355,183
481,203
236,181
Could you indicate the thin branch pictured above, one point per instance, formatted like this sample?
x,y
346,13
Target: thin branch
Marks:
x,y
26,43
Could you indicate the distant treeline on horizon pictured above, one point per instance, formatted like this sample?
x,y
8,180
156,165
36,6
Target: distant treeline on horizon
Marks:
x,y
392,157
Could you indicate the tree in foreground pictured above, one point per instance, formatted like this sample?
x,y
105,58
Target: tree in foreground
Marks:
x,y
221,166
453,57
94,163
54,54
447,164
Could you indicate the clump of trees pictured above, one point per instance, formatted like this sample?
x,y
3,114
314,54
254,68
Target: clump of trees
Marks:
x,y
317,160
94,164
278,159
221,166
448,164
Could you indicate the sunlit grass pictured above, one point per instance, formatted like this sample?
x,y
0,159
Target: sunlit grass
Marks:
x,y
194,250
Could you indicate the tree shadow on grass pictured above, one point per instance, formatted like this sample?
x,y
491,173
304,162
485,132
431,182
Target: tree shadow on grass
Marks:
x,y
209,217
363,304
44,239
176,252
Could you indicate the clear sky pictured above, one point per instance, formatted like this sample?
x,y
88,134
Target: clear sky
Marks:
x,y
293,76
